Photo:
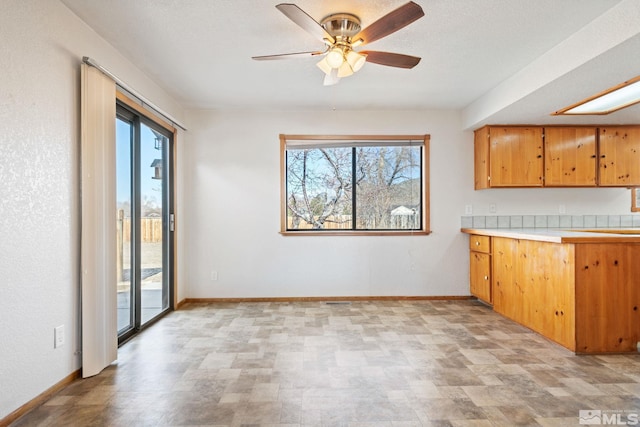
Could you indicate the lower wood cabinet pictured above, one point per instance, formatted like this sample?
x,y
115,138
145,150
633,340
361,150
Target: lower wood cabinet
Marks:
x,y
607,278
480,267
534,285
584,296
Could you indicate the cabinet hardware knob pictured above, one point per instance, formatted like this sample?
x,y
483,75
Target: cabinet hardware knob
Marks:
x,y
486,277
477,243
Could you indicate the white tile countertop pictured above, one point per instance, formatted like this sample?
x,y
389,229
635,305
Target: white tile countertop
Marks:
x,y
557,235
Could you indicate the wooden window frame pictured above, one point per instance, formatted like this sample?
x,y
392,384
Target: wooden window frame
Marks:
x,y
425,211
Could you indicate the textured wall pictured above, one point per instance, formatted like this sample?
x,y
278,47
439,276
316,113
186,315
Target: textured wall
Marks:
x,y
233,212
42,44
232,208
39,175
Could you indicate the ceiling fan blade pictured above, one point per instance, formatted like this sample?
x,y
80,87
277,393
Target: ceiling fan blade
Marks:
x,y
390,23
391,59
287,55
305,21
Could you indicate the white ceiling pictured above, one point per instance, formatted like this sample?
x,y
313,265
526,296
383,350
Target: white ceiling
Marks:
x,y
500,61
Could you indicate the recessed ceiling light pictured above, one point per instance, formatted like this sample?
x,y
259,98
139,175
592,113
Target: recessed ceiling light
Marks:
x,y
613,99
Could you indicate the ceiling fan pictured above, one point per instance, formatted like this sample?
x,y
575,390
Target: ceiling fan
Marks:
x,y
341,33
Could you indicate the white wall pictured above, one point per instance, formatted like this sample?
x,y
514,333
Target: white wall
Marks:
x,y
233,211
42,45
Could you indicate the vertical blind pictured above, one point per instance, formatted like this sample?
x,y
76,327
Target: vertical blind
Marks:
x,y
98,231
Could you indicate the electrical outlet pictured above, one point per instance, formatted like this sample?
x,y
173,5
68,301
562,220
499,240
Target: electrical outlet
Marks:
x,y
58,336
214,275
468,209
562,209
493,208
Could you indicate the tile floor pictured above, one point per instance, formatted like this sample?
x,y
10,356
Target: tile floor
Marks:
x,y
380,363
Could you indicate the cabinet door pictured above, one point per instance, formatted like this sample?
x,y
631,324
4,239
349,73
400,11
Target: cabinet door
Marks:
x,y
515,155
619,161
607,297
570,156
480,275
481,158
534,285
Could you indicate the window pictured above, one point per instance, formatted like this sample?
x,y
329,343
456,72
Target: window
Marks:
x,y
635,199
354,184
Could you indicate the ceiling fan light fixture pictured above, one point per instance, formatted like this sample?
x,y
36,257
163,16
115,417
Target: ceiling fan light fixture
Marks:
x,y
345,70
356,60
331,78
351,62
324,66
335,57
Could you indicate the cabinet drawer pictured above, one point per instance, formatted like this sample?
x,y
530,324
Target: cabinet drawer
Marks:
x,y
480,243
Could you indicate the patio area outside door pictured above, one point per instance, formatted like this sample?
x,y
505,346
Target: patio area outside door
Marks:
x,y
145,221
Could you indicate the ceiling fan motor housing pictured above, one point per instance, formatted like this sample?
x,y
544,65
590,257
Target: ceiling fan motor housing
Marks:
x,y
342,26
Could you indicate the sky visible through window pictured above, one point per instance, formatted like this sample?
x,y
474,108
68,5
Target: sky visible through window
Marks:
x,y
151,188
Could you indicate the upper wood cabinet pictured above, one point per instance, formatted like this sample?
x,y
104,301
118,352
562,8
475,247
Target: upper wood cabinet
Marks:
x,y
557,156
481,158
570,156
508,157
619,159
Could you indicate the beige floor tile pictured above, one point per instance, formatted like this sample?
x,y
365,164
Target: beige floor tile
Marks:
x,y
377,363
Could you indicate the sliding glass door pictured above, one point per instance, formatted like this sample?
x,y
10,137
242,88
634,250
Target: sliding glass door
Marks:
x,y
124,196
145,221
